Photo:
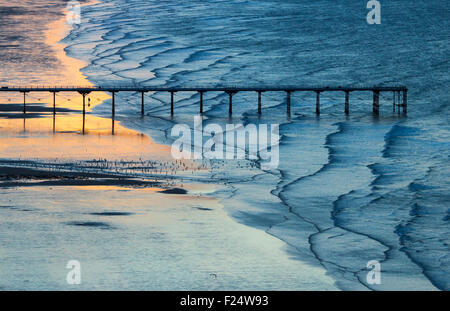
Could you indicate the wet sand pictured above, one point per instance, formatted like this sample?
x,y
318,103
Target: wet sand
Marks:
x,y
70,190
68,135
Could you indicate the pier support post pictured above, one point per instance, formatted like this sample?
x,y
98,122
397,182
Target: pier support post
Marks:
x,y
230,106
54,103
201,101
393,102
376,102
288,102
405,101
84,103
113,103
259,102
84,93
317,103
347,102
24,102
142,104
84,111
171,103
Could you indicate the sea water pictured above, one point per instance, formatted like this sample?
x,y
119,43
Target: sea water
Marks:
x,y
348,189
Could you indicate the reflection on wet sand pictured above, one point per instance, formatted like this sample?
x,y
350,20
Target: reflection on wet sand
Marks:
x,y
41,134
54,125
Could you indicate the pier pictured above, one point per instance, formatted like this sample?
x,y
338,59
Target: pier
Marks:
x,y
397,92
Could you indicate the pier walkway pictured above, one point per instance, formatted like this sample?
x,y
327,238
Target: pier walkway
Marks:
x,y
288,90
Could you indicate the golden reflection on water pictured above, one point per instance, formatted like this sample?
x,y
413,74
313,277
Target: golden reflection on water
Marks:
x,y
67,135
68,74
62,137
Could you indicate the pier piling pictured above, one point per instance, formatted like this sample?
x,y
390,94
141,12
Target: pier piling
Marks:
x,y
171,103
113,103
376,102
288,102
84,103
24,102
201,101
230,107
259,102
84,93
404,101
54,103
142,104
347,102
230,104
393,102
317,103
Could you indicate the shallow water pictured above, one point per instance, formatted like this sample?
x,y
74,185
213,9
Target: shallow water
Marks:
x,y
343,178
348,189
138,239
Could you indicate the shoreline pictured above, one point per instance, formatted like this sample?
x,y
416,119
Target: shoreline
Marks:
x,y
62,132
143,221
286,248
55,33
119,148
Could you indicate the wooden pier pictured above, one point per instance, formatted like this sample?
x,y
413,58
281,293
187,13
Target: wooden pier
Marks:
x,y
376,90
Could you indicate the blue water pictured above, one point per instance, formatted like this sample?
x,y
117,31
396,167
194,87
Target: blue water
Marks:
x,y
348,189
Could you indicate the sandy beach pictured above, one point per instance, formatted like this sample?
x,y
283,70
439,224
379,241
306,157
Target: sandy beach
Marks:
x,y
348,188
89,189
